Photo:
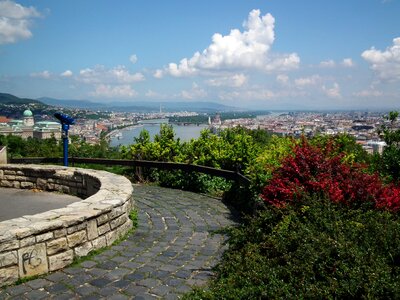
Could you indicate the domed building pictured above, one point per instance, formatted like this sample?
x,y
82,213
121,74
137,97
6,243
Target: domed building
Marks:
x,y
28,118
27,128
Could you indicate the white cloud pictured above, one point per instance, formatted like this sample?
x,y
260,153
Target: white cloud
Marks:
x,y
385,63
282,79
109,91
101,75
307,81
236,80
347,62
248,95
67,73
158,74
368,93
133,58
15,21
195,93
249,49
333,92
327,64
45,75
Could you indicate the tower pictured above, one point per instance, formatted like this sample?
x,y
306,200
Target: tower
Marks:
x,y
28,118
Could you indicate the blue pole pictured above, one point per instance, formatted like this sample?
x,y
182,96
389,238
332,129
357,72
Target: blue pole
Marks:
x,y
65,128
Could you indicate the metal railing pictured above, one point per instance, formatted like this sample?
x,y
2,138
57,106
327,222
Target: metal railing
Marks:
x,y
227,174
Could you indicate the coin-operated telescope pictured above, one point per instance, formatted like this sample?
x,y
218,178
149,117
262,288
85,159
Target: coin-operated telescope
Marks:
x,y
65,121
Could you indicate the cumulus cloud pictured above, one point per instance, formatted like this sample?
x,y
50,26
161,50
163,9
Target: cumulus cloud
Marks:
x,y
249,49
333,92
102,75
109,91
386,63
236,80
133,58
15,21
195,93
307,81
368,93
158,74
282,79
44,74
67,73
327,64
248,95
347,62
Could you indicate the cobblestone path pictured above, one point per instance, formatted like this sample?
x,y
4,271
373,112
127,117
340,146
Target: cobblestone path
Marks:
x,y
172,250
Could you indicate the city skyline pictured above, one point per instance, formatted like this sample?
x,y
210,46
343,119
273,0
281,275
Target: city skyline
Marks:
x,y
274,54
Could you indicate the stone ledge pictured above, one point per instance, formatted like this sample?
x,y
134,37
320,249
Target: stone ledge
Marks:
x,y
48,241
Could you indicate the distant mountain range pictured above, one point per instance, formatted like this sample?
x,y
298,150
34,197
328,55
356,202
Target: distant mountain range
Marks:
x,y
140,106
11,99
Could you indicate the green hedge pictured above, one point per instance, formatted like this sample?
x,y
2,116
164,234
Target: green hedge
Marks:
x,y
316,250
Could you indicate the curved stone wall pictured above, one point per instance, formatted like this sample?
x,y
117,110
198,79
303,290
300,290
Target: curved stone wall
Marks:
x,y
45,242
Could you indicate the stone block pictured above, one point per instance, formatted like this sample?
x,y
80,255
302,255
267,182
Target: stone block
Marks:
x,y
57,245
111,237
30,240
8,275
83,249
6,183
77,238
32,260
100,242
26,185
60,232
44,237
61,260
102,219
11,245
76,228
41,183
8,258
16,185
104,228
91,228
118,221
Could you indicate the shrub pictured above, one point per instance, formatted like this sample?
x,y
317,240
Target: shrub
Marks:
x,y
317,250
315,171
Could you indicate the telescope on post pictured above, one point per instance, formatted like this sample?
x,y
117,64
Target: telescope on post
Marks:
x,y
65,121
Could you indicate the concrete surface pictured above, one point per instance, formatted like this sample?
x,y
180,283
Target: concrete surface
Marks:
x,y
16,203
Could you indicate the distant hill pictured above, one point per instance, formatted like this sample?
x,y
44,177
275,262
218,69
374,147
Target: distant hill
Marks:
x,y
72,103
11,99
140,106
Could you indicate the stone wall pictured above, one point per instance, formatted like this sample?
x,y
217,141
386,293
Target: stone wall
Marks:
x,y
45,242
3,154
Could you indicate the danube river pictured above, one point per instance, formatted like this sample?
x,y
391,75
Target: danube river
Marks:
x,y
185,133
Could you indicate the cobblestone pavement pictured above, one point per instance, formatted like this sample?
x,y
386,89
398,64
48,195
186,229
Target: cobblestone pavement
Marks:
x,y
173,249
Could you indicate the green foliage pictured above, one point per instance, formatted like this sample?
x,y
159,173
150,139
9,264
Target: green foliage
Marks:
x,y
389,163
317,250
31,147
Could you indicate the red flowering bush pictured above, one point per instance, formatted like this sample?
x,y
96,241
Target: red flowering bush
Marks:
x,y
312,170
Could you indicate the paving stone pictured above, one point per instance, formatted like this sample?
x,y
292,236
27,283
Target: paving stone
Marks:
x,y
17,290
57,288
37,294
100,282
172,241
38,283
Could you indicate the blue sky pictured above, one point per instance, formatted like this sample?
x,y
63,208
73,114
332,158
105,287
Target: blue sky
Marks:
x,y
310,54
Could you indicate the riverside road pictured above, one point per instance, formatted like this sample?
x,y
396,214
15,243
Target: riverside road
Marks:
x,y
172,250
